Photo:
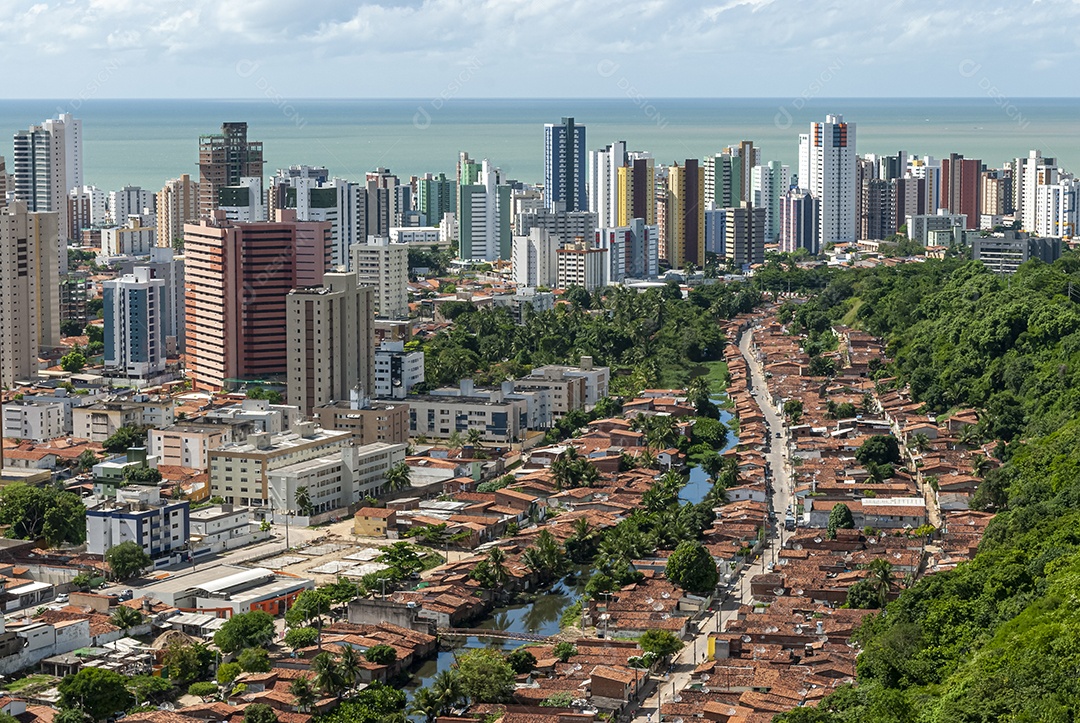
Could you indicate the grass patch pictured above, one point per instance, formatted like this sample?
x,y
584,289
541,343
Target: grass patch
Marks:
x,y
431,561
852,314
571,616
715,372
35,682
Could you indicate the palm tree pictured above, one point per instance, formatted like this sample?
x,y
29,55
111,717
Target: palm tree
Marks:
x,y
426,703
969,435
303,693
980,465
350,665
447,687
881,579
920,442
590,475
474,437
398,477
496,560
303,501
126,618
328,678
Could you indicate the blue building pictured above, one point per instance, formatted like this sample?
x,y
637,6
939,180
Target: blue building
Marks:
x,y
565,167
162,528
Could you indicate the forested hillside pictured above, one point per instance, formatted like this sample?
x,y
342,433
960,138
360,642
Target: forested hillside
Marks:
x,y
997,639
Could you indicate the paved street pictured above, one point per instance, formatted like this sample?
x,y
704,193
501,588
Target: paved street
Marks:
x,y
695,651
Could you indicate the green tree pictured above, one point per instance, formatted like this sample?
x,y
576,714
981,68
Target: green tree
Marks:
x,y
692,568
149,689
74,361
381,654
375,704
141,475
426,704
661,643
97,692
259,713
485,676
302,498
881,579
68,715
562,699
521,660
304,693
126,618
228,672
203,689
254,660
187,663
124,439
127,559
793,410
328,677
881,449
840,518
350,665
564,650
297,638
862,596
253,629
398,477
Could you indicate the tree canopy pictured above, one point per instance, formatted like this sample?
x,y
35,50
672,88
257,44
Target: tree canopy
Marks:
x,y
692,568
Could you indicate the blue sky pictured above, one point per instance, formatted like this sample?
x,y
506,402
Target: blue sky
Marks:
x,y
538,48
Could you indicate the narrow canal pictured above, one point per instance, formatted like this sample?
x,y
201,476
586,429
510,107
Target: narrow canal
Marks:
x,y
700,483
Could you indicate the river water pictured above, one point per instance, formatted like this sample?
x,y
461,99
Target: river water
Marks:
x,y
700,483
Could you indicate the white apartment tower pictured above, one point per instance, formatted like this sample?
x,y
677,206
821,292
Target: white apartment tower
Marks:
x,y
533,258
603,184
385,266
829,153
331,342
30,312
768,185
134,324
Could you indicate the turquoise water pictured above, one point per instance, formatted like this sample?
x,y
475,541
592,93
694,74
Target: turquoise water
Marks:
x,y
145,142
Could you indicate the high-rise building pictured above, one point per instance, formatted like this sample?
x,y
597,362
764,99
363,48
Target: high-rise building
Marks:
x,y
225,158
388,202
340,203
565,166
749,157
745,235
565,226
236,279
134,328
581,264
1028,174
243,202
828,153
878,216
799,222
177,204
331,342
768,184
1056,208
30,312
996,192
384,265
533,258
715,230
686,215
484,216
960,180
397,371
130,239
636,193
604,168
436,196
129,201
88,206
633,250
723,179
164,264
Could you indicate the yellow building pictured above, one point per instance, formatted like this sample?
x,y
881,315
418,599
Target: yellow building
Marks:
x,y
685,214
373,521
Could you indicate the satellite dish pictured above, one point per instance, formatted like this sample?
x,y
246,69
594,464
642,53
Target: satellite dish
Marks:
x,y
746,638
817,540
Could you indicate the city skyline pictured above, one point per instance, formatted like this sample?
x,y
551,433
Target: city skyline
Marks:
x,y
440,48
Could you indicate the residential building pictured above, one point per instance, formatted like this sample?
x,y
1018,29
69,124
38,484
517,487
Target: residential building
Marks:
x,y
330,341
533,258
1028,174
685,211
1056,208
74,289
260,414
161,528
134,327
566,391
86,207
243,201
995,192
188,444
237,278
100,421
920,226
716,230
723,179
484,216
129,201
828,154
397,371
384,266
497,417
419,237
177,204
374,521
436,196
799,222
29,419
30,314
565,166
164,264
239,471
581,264
388,202
1004,254
745,235
960,181
374,422
47,164
603,185
636,192
564,226
337,480
768,184
878,212
220,528
131,239
225,158
340,203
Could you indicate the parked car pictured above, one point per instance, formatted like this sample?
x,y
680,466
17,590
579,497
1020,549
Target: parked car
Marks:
x,y
61,598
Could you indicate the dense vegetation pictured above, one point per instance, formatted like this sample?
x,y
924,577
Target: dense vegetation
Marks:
x,y
997,638
649,339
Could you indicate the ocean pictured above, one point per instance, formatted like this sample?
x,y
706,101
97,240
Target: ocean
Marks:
x,y
145,142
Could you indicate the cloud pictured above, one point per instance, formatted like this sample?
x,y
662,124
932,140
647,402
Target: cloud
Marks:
x,y
411,48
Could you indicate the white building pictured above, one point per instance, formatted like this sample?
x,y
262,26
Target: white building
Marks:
x,y
244,202
1056,209
335,480
497,416
532,261
134,328
828,153
421,237
223,527
129,201
131,239
919,226
385,266
581,264
177,204
96,202
484,216
397,371
38,422
138,514
603,182
263,416
768,185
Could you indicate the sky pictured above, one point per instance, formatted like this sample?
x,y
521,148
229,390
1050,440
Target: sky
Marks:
x,y
538,48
